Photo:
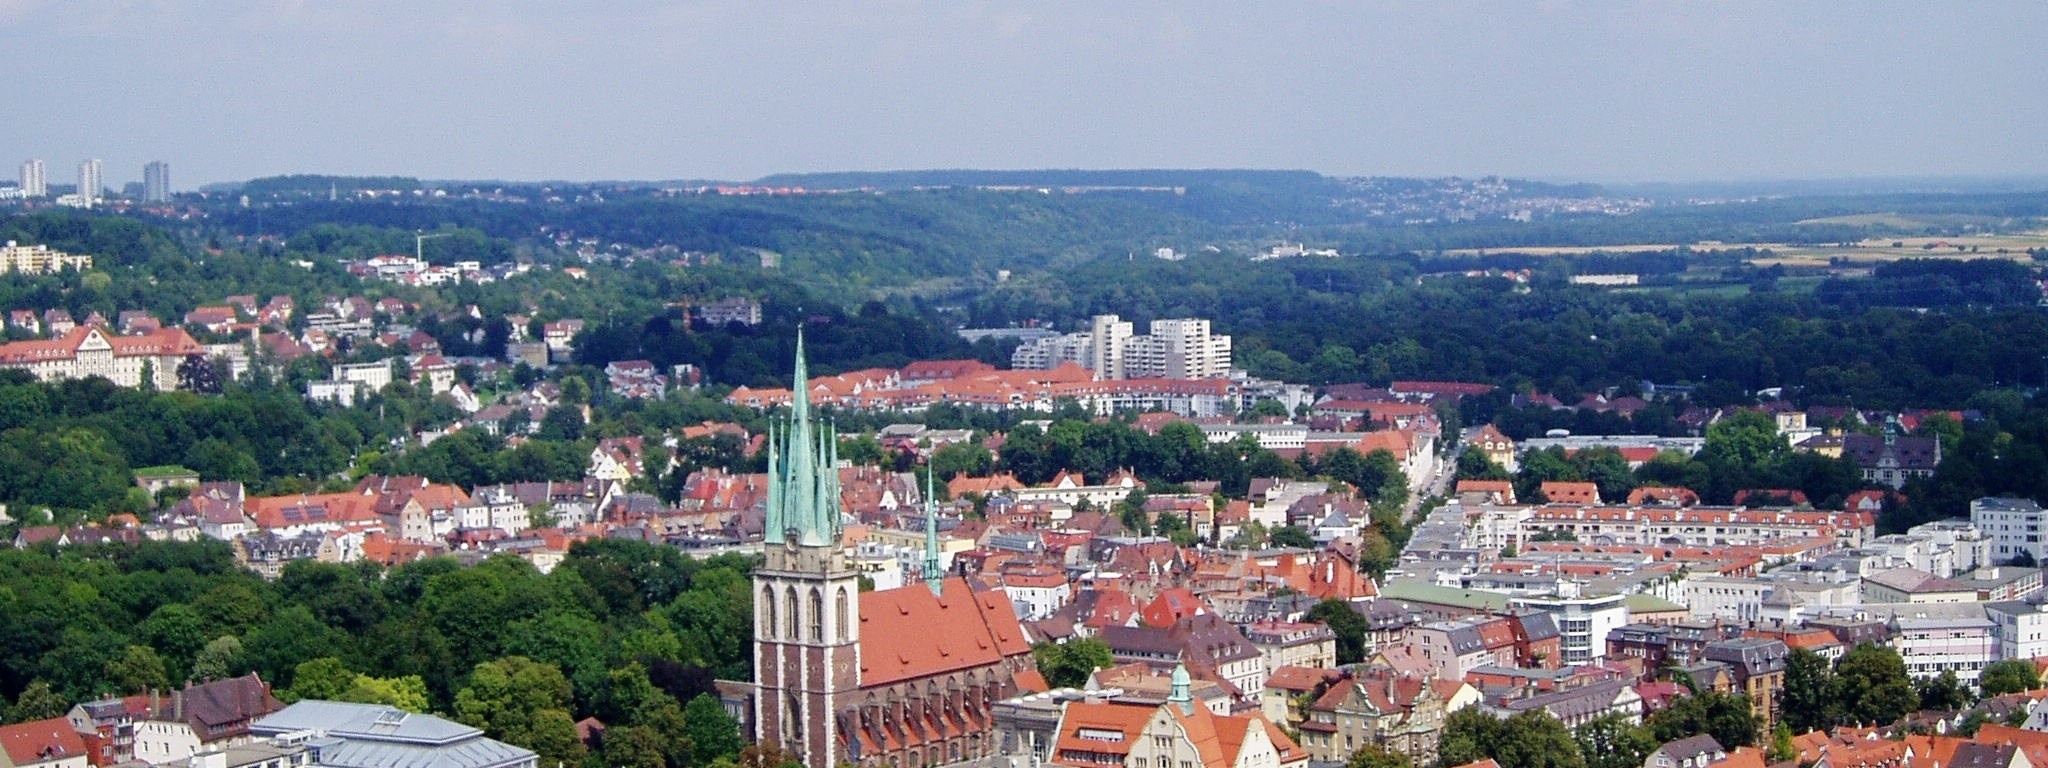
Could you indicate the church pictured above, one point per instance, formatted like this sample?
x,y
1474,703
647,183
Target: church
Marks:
x,y
903,678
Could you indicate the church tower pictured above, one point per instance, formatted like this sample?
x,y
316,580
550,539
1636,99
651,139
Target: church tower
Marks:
x,y
806,596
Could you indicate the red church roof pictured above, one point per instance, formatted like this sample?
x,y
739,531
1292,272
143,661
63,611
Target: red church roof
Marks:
x,y
908,632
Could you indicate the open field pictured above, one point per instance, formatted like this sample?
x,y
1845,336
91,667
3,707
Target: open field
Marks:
x,y
1872,250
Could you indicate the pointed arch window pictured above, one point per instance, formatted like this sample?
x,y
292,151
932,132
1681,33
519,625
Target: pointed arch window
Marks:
x,y
817,615
789,611
845,616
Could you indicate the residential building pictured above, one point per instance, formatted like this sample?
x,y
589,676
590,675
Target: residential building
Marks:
x,y
1759,670
1583,622
156,182
33,182
39,260
1049,352
50,743
2015,526
1293,644
1696,526
738,310
1892,459
1398,713
1038,591
1579,705
1911,585
1176,734
91,185
2022,628
1177,349
1202,639
1498,447
1698,751
201,718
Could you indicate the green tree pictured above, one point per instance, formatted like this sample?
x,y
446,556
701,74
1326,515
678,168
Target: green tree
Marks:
x,y
634,746
1809,701
408,692
714,734
176,631
1375,756
1474,464
1781,745
324,678
1943,693
37,702
1725,716
861,450
1068,665
1972,722
1347,623
2008,676
1874,685
969,458
522,702
1612,741
219,660
1531,739
1293,537
139,669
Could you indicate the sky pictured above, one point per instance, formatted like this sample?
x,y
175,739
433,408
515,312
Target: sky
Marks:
x,y
623,89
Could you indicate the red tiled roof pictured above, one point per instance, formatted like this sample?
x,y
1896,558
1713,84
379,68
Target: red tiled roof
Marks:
x,y
908,632
40,741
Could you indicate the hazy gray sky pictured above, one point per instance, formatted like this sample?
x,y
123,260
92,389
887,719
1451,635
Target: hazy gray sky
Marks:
x,y
645,90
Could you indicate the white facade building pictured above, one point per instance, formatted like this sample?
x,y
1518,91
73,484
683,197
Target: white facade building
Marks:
x,y
1582,622
1108,336
33,182
2014,526
1937,638
2022,628
91,182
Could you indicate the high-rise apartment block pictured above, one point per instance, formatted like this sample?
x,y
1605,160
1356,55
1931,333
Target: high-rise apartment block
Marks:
x,y
91,186
33,184
156,182
1175,349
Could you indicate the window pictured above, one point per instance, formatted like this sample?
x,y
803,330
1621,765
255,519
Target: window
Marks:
x,y
845,615
789,613
817,616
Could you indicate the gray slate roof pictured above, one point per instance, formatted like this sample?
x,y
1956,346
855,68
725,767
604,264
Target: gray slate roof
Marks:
x,y
376,736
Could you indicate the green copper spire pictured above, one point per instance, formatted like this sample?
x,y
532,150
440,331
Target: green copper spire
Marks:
x,y
1181,697
933,579
803,490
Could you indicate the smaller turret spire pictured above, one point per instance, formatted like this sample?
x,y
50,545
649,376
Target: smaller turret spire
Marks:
x,y
1181,697
933,579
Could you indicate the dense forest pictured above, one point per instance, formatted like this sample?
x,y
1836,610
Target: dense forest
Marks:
x,y
630,633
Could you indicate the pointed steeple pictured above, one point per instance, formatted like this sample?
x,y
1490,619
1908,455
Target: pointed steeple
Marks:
x,y
803,491
1181,697
933,579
